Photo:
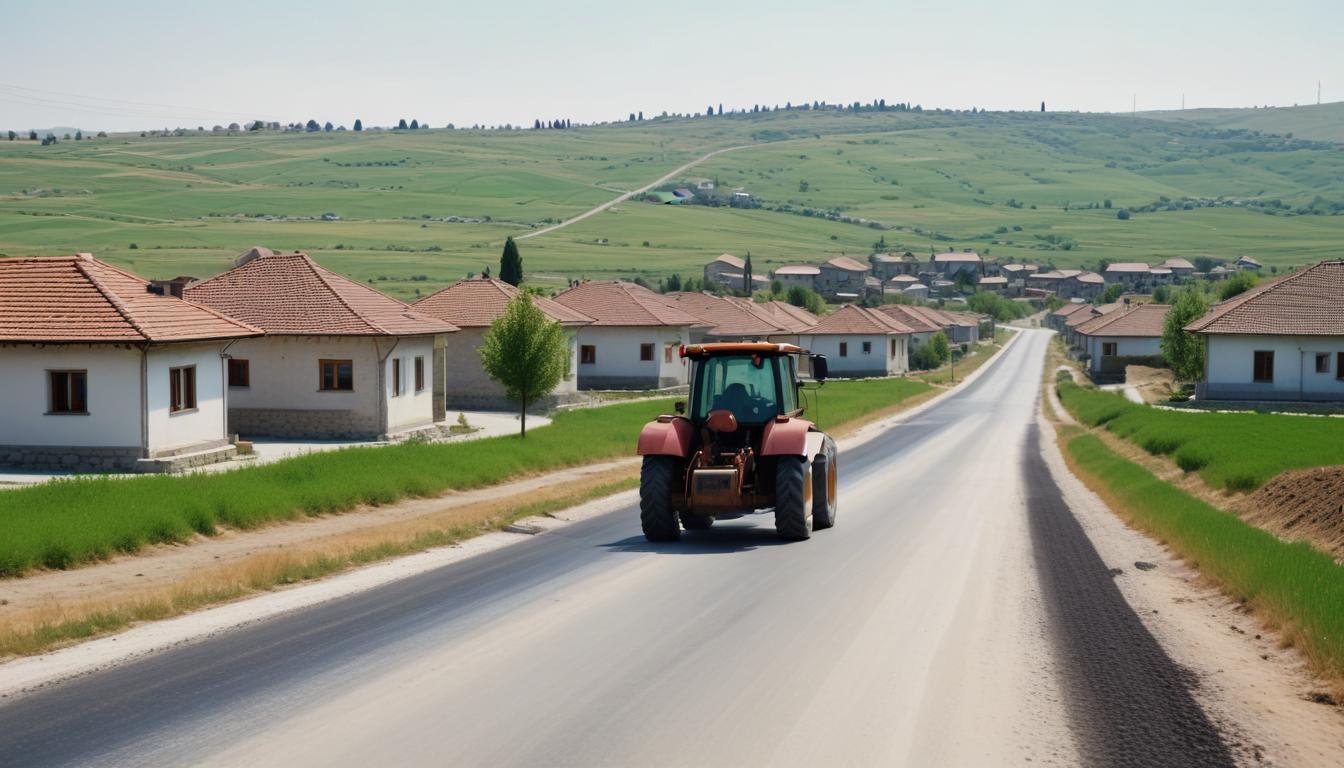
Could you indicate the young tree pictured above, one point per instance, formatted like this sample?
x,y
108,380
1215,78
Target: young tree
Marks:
x,y
1042,106
1236,285
312,126
526,353
746,275
1111,294
328,127
13,135
415,124
673,283
802,296
32,135
511,264
1183,351
359,124
939,348
401,124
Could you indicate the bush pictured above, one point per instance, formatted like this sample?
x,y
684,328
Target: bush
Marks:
x,y
1122,215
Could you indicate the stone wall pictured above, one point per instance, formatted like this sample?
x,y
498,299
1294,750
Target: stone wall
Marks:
x,y
61,458
304,424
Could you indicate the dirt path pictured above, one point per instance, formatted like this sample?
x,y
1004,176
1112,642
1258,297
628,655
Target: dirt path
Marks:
x,y
622,198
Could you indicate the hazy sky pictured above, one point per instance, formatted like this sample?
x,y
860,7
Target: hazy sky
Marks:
x,y
138,64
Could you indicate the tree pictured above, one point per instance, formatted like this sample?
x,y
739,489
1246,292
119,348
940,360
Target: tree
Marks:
x,y
1123,214
359,124
1161,294
802,296
939,348
1042,106
79,135
1236,285
13,135
1111,294
746,275
1184,351
673,283
511,264
32,135
328,127
710,111
312,126
415,124
526,353
401,124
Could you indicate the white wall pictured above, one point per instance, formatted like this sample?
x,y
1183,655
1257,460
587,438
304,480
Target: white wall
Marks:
x,y
113,419
203,424
1126,346
881,361
1230,372
285,372
618,353
409,408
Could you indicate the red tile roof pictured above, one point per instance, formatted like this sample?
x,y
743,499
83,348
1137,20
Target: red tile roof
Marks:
x,y
798,269
476,303
732,261
618,303
1306,303
1127,266
956,257
1140,320
289,294
728,317
847,264
853,319
906,315
1069,309
80,299
795,319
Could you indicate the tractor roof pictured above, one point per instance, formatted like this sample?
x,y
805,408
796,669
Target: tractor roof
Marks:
x,y
739,348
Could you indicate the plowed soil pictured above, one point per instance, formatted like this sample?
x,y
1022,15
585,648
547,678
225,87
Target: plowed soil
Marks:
x,y
1302,505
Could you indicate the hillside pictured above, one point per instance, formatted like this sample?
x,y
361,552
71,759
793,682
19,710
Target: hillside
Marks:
x,y
1318,122
419,209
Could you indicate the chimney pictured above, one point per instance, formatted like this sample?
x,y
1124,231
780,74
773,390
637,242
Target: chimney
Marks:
x,y
174,287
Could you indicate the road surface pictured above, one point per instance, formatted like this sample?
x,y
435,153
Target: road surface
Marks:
x,y
957,615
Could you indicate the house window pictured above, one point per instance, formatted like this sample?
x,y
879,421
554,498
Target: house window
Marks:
x,y
420,374
69,391
396,376
667,352
1322,362
240,373
587,354
1264,365
337,376
893,347
1339,366
867,347
844,349
1108,349
645,352
182,389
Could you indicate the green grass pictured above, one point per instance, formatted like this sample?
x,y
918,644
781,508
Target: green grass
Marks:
x,y
67,523
999,183
1232,451
1301,588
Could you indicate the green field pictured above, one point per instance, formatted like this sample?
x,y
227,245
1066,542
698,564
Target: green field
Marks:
x,y
420,209
1232,451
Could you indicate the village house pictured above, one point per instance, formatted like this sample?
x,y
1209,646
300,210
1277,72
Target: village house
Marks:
x,y
859,342
1080,285
1056,319
993,284
900,283
804,275
633,340
472,305
948,264
1248,263
339,360
1279,341
724,319
1181,269
885,266
726,264
1128,336
1134,275
922,328
792,321
841,277
918,291
1050,279
104,371
1071,323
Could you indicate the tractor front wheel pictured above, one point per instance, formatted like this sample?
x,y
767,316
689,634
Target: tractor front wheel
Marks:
x,y
793,498
656,514
824,486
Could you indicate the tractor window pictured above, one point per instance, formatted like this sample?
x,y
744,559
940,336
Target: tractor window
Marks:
x,y
748,387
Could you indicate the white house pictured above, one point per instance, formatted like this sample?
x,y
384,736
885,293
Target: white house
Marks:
x,y
948,264
860,342
339,359
1279,341
472,305
104,371
1124,337
841,277
804,275
633,340
922,328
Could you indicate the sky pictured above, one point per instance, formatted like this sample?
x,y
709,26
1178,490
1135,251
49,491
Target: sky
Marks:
x,y
136,64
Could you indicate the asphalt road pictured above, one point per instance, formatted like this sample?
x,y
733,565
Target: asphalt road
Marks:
x,y
957,615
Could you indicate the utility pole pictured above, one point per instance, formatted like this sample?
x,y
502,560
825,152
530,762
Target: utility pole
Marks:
x,y
1318,93
1134,106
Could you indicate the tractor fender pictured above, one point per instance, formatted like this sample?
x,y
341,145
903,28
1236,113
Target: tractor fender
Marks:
x,y
666,436
790,437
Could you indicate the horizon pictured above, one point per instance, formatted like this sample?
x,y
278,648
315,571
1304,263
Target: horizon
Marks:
x,y
133,70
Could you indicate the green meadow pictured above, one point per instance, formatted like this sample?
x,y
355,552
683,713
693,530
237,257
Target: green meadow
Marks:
x,y
420,209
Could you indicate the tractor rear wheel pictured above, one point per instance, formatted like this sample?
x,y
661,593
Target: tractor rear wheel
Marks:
x,y
793,498
824,486
656,514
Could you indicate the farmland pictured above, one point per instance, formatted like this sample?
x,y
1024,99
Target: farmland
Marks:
x,y
418,209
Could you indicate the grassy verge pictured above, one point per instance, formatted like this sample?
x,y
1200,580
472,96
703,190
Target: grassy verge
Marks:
x,y
1297,588
1230,451
962,367
838,404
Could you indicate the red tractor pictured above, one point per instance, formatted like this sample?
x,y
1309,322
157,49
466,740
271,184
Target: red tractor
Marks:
x,y
743,446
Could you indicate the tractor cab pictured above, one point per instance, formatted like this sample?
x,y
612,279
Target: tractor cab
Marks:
x,y
736,389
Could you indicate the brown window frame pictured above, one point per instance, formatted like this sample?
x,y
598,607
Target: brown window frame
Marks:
x,y
844,349
75,403
893,347
239,373
587,354
1265,355
419,370
181,389
1110,348
335,364
396,376
667,352
1322,362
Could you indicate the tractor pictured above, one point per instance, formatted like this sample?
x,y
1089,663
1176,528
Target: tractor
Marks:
x,y
743,446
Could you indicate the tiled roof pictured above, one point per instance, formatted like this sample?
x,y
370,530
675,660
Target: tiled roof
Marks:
x,y
853,319
617,303
904,279
955,257
728,317
798,269
993,281
1249,261
1306,303
289,294
893,258
1177,263
1140,320
731,261
1089,277
476,303
80,299
848,264
1018,267
1127,266
1069,309
905,315
793,318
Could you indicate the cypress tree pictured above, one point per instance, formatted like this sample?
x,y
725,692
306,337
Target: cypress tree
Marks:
x,y
511,264
359,124
746,275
